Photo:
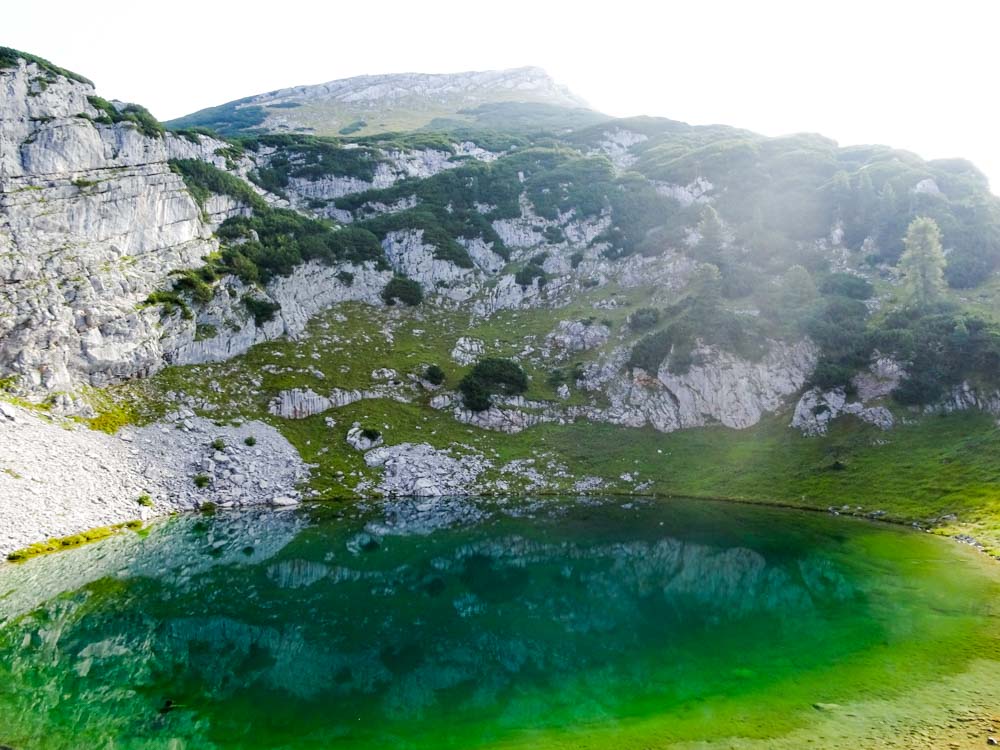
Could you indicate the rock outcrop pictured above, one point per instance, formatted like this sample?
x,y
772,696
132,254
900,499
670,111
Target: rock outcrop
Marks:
x,y
816,409
420,470
720,388
59,478
91,221
578,336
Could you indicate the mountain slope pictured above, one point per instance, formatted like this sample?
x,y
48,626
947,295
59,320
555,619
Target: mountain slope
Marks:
x,y
481,311
384,103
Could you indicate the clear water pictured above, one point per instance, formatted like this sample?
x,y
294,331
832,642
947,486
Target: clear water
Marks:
x,y
563,623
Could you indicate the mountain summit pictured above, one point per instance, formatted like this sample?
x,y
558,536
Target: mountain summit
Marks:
x,y
379,103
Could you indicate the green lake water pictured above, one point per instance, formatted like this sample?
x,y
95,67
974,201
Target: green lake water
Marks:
x,y
556,623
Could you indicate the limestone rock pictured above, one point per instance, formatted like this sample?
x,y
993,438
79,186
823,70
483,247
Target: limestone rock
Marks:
x,y
420,470
816,409
467,350
299,403
578,336
359,441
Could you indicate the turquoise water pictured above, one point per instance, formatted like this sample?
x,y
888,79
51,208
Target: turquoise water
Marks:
x,y
516,624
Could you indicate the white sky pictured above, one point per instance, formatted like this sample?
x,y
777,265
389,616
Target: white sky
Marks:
x,y
916,75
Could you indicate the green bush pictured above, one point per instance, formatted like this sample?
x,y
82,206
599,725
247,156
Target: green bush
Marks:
x,y
145,500
434,375
403,290
490,376
643,319
171,302
527,275
10,56
138,115
263,310
286,239
219,444
202,179
204,331
651,350
847,285
370,434
353,127
250,440
201,481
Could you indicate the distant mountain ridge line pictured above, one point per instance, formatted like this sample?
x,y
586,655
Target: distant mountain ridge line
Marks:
x,y
384,102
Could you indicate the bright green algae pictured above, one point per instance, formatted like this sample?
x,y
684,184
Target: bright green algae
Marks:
x,y
561,623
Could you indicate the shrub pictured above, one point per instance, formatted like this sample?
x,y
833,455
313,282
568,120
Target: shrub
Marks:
x,y
370,434
475,394
403,290
576,259
553,235
651,350
145,500
171,302
250,440
643,319
205,331
263,310
345,277
201,481
353,127
138,115
434,375
489,376
526,276
847,285
202,179
219,444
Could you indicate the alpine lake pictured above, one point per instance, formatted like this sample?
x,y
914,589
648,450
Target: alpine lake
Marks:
x,y
503,623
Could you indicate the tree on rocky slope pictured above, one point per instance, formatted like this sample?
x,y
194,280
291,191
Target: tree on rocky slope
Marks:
x,y
922,264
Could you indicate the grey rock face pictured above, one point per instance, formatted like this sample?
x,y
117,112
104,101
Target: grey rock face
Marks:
x,y
299,403
91,221
420,470
359,441
65,478
719,388
467,350
577,336
616,145
410,256
816,409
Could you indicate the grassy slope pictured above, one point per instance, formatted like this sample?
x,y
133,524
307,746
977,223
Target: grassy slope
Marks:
x,y
925,470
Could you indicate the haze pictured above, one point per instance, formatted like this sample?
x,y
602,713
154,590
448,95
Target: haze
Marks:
x,y
909,74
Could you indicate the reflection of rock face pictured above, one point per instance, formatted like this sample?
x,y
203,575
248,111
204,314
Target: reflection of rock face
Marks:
x,y
376,626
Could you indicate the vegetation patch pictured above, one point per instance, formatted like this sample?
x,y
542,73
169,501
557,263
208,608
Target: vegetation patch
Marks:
x,y
57,544
136,114
10,56
490,376
402,289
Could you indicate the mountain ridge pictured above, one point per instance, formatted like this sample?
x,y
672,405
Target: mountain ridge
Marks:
x,y
368,104
425,313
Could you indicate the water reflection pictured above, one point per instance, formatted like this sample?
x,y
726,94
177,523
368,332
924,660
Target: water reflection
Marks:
x,y
259,629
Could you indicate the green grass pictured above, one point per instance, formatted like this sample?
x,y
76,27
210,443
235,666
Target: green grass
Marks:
x,y
927,469
922,471
57,544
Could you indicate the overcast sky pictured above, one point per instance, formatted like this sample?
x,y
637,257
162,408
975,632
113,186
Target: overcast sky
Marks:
x,y
915,75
